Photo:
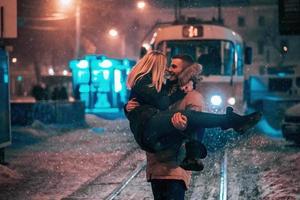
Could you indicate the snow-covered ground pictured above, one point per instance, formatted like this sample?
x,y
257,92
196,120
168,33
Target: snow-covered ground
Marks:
x,y
52,162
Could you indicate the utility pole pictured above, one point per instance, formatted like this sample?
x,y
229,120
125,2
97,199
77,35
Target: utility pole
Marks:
x,y
220,19
177,10
77,28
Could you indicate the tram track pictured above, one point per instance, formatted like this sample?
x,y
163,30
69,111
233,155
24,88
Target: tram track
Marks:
x,y
124,184
126,180
211,183
107,183
211,188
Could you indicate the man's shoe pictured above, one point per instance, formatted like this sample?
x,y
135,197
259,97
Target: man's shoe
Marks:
x,y
192,164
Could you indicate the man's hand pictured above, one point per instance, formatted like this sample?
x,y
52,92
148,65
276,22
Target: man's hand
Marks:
x,y
179,121
188,87
131,104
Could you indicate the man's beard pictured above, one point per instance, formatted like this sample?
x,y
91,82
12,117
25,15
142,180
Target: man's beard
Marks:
x,y
170,76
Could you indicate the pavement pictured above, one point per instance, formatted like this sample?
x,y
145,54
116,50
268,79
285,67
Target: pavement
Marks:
x,y
64,162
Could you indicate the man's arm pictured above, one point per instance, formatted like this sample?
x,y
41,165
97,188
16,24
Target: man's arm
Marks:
x,y
194,101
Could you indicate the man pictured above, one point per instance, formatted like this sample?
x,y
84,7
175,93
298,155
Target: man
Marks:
x,y
168,179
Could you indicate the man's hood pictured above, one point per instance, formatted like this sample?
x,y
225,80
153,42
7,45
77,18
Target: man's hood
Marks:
x,y
191,72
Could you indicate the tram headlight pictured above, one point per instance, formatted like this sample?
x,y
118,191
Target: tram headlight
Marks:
x,y
216,100
231,101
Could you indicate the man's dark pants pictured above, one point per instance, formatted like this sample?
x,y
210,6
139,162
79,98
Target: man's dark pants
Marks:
x,y
168,189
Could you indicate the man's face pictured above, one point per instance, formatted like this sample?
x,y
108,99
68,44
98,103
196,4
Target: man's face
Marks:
x,y
177,65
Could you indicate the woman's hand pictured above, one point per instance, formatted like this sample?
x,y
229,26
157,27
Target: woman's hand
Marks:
x,y
179,121
188,87
131,105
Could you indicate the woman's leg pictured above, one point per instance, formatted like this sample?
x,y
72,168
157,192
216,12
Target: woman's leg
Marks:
x,y
160,125
160,134
229,120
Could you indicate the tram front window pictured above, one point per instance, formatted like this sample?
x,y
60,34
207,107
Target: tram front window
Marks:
x,y
216,56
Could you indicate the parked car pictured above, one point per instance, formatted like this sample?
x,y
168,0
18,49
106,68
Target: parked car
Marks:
x,y
291,124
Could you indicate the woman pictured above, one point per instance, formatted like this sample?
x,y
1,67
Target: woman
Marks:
x,y
151,121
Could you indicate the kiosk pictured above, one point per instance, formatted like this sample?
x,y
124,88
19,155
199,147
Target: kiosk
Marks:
x,y
100,82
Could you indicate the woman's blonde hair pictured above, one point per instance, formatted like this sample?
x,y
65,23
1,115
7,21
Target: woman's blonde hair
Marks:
x,y
153,62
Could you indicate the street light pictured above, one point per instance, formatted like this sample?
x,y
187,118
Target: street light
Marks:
x,y
65,2
14,60
69,3
78,29
114,34
141,5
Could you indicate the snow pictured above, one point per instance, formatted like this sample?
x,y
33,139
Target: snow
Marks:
x,y
52,162
60,159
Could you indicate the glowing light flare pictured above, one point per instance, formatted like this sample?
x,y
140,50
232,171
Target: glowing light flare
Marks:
x,y
65,3
231,101
65,72
113,33
216,100
51,71
141,5
14,60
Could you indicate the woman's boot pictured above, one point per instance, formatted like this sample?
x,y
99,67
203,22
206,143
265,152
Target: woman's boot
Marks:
x,y
240,123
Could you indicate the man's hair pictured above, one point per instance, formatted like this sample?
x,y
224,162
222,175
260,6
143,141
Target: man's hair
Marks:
x,y
185,57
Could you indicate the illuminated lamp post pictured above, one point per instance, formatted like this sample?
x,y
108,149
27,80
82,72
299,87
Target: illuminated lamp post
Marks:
x,y
141,5
114,34
68,3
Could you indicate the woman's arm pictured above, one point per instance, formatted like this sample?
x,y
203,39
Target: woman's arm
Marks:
x,y
149,95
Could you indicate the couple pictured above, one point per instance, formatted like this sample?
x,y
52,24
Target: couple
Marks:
x,y
158,129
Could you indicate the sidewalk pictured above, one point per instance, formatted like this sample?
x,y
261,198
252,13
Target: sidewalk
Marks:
x,y
51,162
56,162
